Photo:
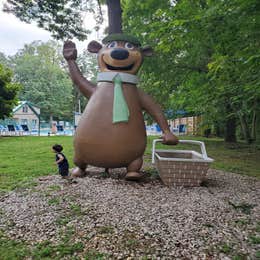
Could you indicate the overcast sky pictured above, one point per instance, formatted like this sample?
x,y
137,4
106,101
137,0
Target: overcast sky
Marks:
x,y
14,33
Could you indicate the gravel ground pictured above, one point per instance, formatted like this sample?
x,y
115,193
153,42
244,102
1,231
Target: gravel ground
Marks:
x,y
146,220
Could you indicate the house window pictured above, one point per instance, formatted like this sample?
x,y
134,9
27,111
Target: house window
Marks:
x,y
34,123
25,109
24,121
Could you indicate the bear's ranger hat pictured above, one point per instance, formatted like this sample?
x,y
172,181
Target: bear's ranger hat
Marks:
x,y
121,37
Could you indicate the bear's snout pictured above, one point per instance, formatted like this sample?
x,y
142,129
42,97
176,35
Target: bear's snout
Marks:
x,y
119,54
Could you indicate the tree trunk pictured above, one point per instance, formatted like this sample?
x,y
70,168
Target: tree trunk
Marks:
x,y
51,119
256,111
218,129
114,16
230,130
253,130
76,99
257,127
245,128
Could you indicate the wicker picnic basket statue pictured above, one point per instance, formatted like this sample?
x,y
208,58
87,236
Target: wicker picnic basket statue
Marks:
x,y
181,167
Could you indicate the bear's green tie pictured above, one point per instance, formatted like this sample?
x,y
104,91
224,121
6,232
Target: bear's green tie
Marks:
x,y
120,108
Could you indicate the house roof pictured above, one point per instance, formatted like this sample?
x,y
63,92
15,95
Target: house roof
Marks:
x,y
22,103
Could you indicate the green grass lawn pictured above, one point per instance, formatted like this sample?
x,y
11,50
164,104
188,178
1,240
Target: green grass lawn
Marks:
x,y
24,158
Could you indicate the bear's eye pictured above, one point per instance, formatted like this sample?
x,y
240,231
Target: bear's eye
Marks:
x,y
129,45
112,44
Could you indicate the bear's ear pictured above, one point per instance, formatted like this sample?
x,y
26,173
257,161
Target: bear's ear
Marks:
x,y
94,47
147,51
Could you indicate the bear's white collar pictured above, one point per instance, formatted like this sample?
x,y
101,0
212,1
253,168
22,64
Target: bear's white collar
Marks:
x,y
125,77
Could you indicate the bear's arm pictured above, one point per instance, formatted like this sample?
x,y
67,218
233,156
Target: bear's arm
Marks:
x,y
70,54
154,109
86,87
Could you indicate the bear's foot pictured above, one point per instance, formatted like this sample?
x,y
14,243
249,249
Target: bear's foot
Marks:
x,y
78,173
133,169
134,176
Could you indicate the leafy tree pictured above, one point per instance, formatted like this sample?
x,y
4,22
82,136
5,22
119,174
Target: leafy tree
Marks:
x,y
64,18
4,59
87,63
39,67
207,57
8,92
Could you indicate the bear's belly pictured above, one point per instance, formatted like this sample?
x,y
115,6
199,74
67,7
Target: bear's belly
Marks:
x,y
100,142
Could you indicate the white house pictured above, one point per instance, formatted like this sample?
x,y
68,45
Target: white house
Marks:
x,y
25,113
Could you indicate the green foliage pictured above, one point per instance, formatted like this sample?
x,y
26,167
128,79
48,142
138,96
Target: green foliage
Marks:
x,y
106,230
64,220
4,59
8,92
76,209
207,53
94,254
54,201
47,249
255,240
243,207
54,188
207,57
16,250
225,248
10,249
258,227
39,67
64,19
240,257
242,222
87,63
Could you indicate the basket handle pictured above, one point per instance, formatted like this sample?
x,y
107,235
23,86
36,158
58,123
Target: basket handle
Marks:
x,y
201,144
